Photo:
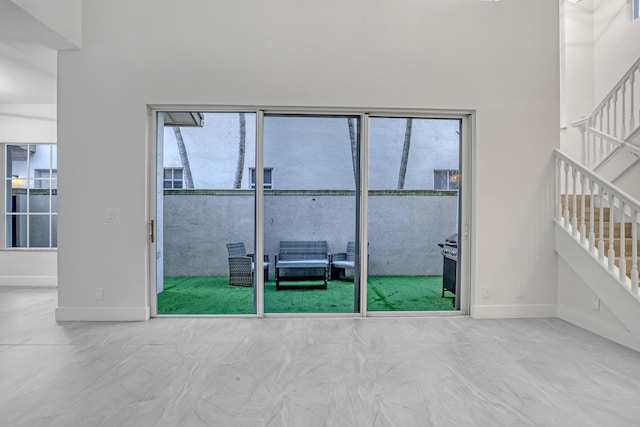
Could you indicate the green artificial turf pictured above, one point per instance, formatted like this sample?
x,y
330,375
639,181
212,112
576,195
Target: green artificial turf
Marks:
x,y
213,295
407,293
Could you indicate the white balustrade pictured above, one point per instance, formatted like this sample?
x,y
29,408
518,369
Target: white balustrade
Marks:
x,y
615,116
616,210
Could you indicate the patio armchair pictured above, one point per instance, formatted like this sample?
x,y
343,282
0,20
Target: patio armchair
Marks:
x,y
241,265
343,260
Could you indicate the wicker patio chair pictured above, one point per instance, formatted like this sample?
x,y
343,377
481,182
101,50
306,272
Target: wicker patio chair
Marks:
x,y
241,265
343,260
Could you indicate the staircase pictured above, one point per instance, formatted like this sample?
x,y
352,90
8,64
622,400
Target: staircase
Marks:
x,y
610,245
597,235
596,222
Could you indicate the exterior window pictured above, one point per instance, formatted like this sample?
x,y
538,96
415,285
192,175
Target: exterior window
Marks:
x,y
446,179
268,177
31,205
636,9
46,178
172,177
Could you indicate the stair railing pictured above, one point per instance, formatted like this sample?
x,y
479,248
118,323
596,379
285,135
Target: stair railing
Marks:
x,y
617,116
575,185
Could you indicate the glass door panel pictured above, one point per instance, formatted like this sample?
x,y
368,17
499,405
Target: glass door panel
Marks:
x,y
208,211
311,176
413,207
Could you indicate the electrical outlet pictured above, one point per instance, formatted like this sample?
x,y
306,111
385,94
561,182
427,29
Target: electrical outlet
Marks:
x,y
99,294
520,292
595,303
110,216
486,292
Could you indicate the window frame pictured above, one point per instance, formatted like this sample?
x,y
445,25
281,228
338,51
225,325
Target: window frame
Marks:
x,y
39,181
449,173
468,123
173,179
268,185
32,186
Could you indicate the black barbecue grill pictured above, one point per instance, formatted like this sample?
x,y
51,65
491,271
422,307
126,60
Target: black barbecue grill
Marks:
x,y
449,264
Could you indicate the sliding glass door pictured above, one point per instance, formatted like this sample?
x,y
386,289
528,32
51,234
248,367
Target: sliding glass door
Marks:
x,y
337,213
206,201
310,215
413,209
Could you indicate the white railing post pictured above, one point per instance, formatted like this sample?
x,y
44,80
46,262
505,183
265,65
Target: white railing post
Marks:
x,y
603,149
600,115
601,224
622,265
615,114
574,208
623,131
566,195
583,226
557,190
611,255
583,153
609,116
634,251
632,119
592,234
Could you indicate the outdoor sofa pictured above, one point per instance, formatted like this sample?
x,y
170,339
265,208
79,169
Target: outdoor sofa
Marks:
x,y
302,260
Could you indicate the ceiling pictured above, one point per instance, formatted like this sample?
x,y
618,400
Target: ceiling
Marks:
x,y
28,58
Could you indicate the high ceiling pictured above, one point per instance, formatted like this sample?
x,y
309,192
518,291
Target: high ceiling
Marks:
x,y
28,60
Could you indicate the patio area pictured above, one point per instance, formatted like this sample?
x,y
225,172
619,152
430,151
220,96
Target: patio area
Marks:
x,y
186,295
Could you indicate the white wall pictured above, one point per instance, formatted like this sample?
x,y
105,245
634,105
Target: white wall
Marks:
x,y
579,305
27,123
32,268
616,45
578,71
62,18
498,58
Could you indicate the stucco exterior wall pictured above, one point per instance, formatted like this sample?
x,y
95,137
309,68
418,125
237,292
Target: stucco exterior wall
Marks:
x,y
404,229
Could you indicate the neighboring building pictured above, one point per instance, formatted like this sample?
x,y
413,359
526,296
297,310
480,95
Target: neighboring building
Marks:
x,y
213,153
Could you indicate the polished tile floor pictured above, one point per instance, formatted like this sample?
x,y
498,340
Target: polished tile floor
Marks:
x,y
307,371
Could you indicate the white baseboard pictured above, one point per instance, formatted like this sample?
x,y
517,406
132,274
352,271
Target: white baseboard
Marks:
x,y
102,314
35,281
512,311
611,331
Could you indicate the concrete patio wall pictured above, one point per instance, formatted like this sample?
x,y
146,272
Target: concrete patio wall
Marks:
x,y
404,227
